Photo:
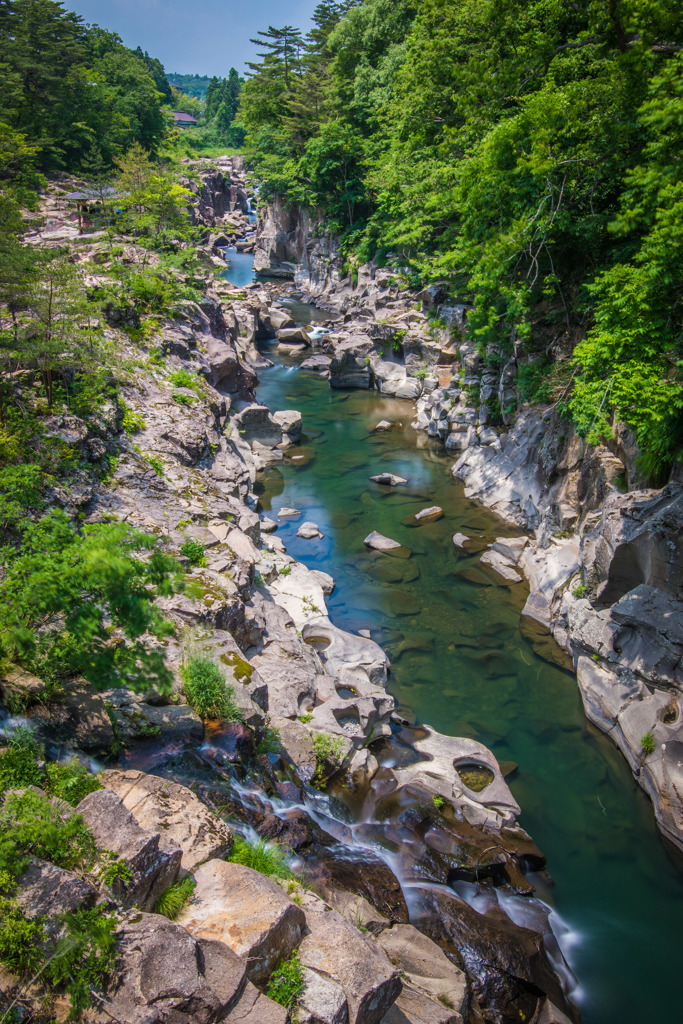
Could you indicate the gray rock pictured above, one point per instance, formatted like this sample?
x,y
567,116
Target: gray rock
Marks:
x,y
501,566
337,950
245,910
460,539
384,425
429,515
268,525
174,811
309,531
290,421
389,479
293,336
322,1000
163,974
255,423
44,890
381,543
153,862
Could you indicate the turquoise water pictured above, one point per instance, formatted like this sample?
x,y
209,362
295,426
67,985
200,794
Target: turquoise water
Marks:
x,y
460,663
240,264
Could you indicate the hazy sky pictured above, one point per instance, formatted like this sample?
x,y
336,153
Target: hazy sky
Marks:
x,y
203,37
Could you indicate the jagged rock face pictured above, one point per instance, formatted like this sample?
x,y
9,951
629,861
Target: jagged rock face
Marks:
x,y
636,541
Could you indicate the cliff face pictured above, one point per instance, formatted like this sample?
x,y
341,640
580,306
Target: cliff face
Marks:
x,y
604,557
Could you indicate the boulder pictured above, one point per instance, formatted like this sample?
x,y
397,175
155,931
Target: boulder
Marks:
x,y
384,425
389,479
160,805
379,542
501,566
256,1008
279,319
428,971
247,911
350,366
293,336
460,539
318,362
337,950
255,423
309,531
153,859
322,1000
44,890
163,974
290,421
429,515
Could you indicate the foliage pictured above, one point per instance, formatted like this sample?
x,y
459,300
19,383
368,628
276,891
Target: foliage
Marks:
x,y
19,762
207,690
286,983
268,858
647,744
528,154
88,598
270,742
112,869
133,422
30,825
329,752
173,899
193,551
76,91
438,802
84,956
71,781
20,939
183,378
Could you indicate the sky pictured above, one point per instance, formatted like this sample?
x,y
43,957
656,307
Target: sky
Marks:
x,y
203,37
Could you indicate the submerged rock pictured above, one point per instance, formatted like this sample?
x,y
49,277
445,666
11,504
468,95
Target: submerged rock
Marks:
x,y
429,515
389,479
309,531
381,543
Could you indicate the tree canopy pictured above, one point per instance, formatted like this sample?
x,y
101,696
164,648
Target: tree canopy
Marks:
x,y
525,151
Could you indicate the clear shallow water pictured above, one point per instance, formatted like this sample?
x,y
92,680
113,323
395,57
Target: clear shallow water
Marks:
x,y
240,268
460,663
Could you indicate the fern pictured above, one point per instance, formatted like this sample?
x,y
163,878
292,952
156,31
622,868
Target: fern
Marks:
x,y
173,899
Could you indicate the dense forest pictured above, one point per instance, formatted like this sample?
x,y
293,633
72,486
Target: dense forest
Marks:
x,y
528,152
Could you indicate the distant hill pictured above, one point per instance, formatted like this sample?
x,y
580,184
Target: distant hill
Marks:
x,y
192,85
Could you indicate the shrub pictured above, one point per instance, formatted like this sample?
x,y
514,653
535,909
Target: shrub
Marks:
x,y
438,802
19,763
207,691
647,744
173,899
132,422
329,751
112,869
19,939
70,782
286,983
579,590
270,742
268,858
193,551
183,378
182,399
30,825
84,956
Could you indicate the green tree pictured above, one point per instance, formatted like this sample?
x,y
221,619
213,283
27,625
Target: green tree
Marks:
x,y
86,600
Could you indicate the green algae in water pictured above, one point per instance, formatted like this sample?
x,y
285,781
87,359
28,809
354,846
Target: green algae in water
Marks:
x,y
475,776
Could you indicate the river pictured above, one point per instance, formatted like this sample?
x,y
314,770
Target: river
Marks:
x,y
461,664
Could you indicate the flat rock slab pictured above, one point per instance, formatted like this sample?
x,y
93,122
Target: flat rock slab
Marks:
x,y
288,513
154,865
175,811
309,531
429,515
248,912
501,566
379,542
316,363
389,479
337,950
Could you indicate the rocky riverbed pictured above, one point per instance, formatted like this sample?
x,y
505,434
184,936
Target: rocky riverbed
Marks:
x,y
601,553
177,789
